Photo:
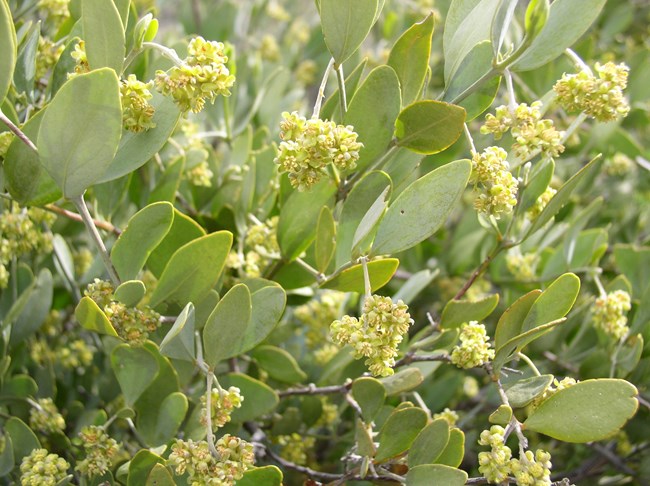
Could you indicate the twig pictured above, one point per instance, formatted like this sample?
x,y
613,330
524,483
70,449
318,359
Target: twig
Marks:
x,y
342,96
321,90
478,272
106,226
411,357
312,389
616,461
208,415
17,131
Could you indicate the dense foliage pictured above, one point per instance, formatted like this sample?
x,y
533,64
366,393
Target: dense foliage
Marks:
x,y
265,242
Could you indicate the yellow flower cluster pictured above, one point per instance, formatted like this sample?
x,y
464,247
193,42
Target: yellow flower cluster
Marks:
x,y
100,450
47,57
137,112
599,97
295,447
316,316
309,146
202,76
451,416
552,390
56,10
494,465
610,311
45,418
223,402
523,267
261,247
490,171
619,165
532,469
542,201
474,348
376,335
200,175
40,468
529,131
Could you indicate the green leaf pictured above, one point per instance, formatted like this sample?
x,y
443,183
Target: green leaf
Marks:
x,y
399,432
135,368
259,398
296,228
179,340
506,352
19,386
567,21
27,181
170,417
500,25
141,465
279,364
184,229
103,33
130,293
325,243
539,180
169,182
634,262
223,334
183,280
8,47
136,149
369,224
26,63
415,285
555,302
351,279
346,23
455,449
23,440
364,193
536,17
562,197
409,57
261,476
91,317
36,309
143,233
7,459
477,63
76,145
429,127
422,208
587,411
374,121
364,440
435,475
429,443
522,392
370,394
403,381
331,109
268,299
512,319
501,416
457,312
160,476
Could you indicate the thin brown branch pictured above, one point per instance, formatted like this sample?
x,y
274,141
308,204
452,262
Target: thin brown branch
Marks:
x,y
312,389
17,131
104,225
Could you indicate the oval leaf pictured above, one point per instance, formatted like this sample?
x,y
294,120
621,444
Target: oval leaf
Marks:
x,y
399,432
554,303
268,299
429,127
179,341
429,443
435,475
325,243
130,292
8,47
103,34
279,364
91,317
522,392
346,23
261,476
422,208
259,398
370,394
587,411
134,368
455,449
457,312
351,279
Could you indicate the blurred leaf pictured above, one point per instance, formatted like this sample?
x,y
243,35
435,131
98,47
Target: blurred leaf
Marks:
x,y
23,440
268,299
540,178
8,47
134,368
170,417
501,23
522,392
279,364
91,317
325,244
183,280
422,208
587,411
367,228
7,456
399,432
130,293
103,34
351,279
374,121
370,394
346,23
259,398
409,57
414,285
261,476
634,262
364,440
26,63
141,465
429,127
169,182
403,381
455,449
429,443
160,476
76,146
36,310
457,312
143,233
435,475
179,340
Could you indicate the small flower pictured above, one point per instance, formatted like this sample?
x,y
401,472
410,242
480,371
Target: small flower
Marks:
x,y
474,348
609,313
523,267
56,10
137,113
532,469
490,171
40,468
223,403
81,60
449,415
616,166
599,97
100,451
47,57
200,175
295,447
494,465
45,417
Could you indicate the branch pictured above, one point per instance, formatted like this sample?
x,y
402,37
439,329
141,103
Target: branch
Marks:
x,y
411,357
106,226
17,131
312,389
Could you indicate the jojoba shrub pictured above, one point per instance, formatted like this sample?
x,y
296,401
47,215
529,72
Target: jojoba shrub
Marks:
x,y
272,242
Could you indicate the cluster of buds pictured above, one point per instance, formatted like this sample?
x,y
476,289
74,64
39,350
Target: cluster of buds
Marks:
x,y
610,311
222,402
542,201
598,97
45,418
236,456
55,10
21,235
131,323
100,451
295,447
532,469
309,146
306,72
200,175
40,468
261,244
316,316
529,131
269,48
202,76
47,57
522,266
81,59
74,354
5,140
376,335
495,464
451,416
474,348
137,112
490,171
619,165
